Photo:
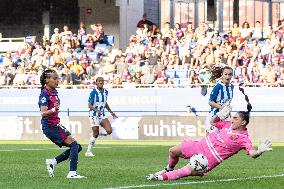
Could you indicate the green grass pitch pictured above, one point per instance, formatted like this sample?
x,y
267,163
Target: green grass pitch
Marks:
x,y
125,164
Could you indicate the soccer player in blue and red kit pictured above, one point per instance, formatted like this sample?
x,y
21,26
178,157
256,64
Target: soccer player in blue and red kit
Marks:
x,y
49,106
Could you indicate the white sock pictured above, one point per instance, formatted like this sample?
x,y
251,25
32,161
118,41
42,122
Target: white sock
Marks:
x,y
169,168
53,161
92,143
160,177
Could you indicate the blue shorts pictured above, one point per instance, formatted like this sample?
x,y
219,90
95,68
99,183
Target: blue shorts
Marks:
x,y
57,134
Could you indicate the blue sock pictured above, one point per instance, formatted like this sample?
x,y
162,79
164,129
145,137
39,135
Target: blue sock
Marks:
x,y
74,148
62,157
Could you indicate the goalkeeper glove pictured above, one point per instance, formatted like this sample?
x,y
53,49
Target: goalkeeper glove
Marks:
x,y
264,146
222,114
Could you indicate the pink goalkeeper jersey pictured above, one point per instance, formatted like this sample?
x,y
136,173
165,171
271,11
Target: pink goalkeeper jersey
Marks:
x,y
226,142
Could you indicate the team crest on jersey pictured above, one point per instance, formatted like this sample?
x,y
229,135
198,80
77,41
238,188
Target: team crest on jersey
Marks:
x,y
43,100
233,137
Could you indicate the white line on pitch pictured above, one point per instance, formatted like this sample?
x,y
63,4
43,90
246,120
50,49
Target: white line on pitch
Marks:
x,y
38,149
197,182
41,149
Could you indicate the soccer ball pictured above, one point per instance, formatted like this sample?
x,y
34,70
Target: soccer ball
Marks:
x,y
198,162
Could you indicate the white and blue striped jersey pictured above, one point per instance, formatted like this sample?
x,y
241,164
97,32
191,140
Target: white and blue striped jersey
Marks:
x,y
221,94
98,99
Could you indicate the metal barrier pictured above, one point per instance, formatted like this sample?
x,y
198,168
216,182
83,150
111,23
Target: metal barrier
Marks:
x,y
9,44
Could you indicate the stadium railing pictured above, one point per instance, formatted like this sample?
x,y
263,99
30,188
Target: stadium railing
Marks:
x,y
8,44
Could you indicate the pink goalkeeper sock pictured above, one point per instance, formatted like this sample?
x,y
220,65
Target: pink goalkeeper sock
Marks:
x,y
172,161
176,174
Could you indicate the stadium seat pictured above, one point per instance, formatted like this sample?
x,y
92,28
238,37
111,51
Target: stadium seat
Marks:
x,y
109,40
261,43
170,73
78,55
192,44
100,48
181,74
93,56
84,38
28,39
176,81
183,82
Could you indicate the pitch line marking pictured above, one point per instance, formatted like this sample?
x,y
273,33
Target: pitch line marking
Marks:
x,y
197,182
42,149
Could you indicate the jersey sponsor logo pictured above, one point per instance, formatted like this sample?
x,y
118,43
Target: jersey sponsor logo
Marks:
x,y
99,103
43,100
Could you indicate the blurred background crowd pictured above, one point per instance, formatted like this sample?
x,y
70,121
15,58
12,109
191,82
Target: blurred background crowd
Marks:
x,y
162,57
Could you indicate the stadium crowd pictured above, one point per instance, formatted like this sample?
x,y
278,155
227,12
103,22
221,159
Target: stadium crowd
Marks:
x,y
171,57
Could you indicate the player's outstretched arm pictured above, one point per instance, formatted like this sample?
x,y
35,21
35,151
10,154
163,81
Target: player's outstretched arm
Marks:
x,y
262,147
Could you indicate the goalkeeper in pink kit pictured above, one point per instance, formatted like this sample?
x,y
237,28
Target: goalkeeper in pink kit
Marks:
x,y
231,137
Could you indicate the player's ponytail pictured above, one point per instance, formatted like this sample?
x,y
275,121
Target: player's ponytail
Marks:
x,y
217,71
245,114
45,75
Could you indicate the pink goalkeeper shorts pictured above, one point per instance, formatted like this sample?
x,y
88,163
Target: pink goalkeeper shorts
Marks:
x,y
189,148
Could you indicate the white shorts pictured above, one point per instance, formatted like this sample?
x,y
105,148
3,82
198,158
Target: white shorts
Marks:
x,y
96,121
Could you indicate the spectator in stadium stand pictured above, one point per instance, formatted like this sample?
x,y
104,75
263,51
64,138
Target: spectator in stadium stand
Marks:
x,y
153,58
143,21
235,29
279,30
155,30
121,64
245,30
117,83
159,67
90,43
2,77
194,80
129,83
118,55
81,30
85,60
66,35
230,138
49,105
149,77
44,42
77,72
97,104
137,78
161,77
280,80
99,34
257,31
231,38
55,35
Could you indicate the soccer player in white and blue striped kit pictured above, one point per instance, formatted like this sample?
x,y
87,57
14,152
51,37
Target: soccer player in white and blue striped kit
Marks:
x,y
221,94
97,104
